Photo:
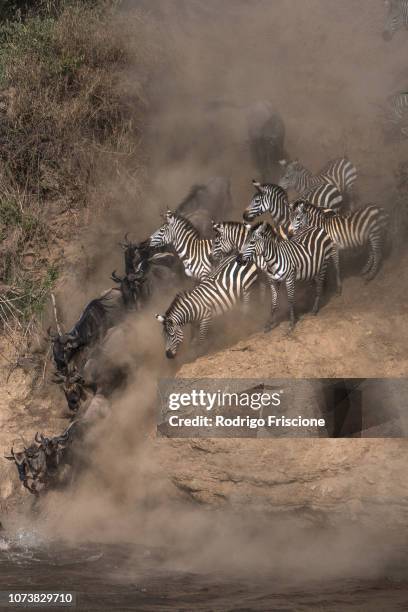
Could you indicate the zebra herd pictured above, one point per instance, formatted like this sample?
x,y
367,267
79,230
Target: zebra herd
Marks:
x,y
301,240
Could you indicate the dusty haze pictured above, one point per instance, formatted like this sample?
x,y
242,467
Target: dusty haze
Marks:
x,y
324,66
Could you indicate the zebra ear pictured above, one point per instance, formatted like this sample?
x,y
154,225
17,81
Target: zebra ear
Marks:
x,y
283,162
216,226
169,216
257,185
160,318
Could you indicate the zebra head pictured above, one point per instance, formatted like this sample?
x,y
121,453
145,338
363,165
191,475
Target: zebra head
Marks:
x,y
253,249
259,203
292,176
173,335
228,236
299,217
164,235
395,17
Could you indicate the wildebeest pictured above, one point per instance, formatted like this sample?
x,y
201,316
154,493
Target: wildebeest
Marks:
x,y
38,463
266,131
102,373
143,265
91,327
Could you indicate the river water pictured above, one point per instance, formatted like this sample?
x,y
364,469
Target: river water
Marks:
x,y
121,577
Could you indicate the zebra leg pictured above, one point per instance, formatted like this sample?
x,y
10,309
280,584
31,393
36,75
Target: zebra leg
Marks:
x,y
263,281
368,265
375,256
245,300
290,288
271,323
319,280
336,263
204,325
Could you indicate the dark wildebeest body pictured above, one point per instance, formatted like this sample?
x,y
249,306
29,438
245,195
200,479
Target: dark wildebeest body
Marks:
x,y
146,269
99,374
90,328
266,132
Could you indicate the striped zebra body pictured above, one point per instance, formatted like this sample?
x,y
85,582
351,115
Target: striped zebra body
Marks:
x,y
289,261
324,195
327,188
365,226
220,292
194,251
396,19
231,236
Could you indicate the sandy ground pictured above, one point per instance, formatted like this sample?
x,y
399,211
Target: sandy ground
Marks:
x,y
362,333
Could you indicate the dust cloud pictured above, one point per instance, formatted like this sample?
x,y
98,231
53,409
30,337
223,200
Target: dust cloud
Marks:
x,y
324,66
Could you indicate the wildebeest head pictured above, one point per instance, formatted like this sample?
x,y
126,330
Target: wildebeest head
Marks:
x,y
31,465
130,287
63,347
73,386
133,254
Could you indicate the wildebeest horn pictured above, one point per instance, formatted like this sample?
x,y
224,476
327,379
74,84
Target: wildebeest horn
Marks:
x,y
115,277
18,461
71,336
36,438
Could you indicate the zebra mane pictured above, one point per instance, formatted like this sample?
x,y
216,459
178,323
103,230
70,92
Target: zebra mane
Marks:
x,y
180,295
187,223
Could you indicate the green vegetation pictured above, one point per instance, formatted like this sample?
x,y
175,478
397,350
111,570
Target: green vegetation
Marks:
x,y
69,115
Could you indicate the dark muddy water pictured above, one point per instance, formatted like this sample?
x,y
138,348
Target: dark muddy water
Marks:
x,y
107,577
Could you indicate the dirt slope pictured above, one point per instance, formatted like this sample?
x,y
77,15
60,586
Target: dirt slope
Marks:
x,y
363,333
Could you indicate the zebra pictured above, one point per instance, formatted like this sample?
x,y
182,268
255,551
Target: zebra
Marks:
x,y
193,250
214,296
366,225
273,199
269,198
289,261
396,19
338,172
